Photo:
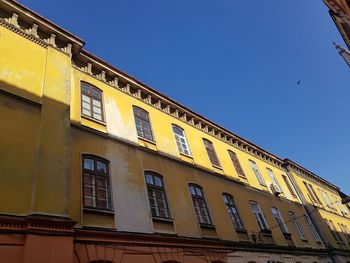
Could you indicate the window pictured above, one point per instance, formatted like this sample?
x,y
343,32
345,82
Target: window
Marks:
x,y
181,141
294,220
91,102
143,125
257,172
312,193
156,195
232,211
258,216
199,204
273,178
276,214
236,164
326,199
211,152
290,188
96,185
345,230
312,229
334,231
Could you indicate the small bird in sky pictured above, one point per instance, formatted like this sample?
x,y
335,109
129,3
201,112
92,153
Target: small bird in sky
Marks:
x,y
298,83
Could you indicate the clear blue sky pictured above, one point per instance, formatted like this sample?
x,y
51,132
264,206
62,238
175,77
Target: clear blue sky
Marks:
x,y
236,62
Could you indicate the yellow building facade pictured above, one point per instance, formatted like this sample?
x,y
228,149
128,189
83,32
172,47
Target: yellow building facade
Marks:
x,y
98,167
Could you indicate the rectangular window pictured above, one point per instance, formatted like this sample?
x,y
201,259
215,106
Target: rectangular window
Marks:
x,y
232,211
289,186
295,222
181,141
334,231
257,172
199,204
156,195
211,152
345,231
312,229
96,185
236,164
276,214
326,199
312,193
258,216
91,102
143,124
273,178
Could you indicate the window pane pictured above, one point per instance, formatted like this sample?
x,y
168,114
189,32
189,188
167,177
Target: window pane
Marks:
x,y
158,181
149,179
87,112
177,130
89,164
101,167
96,94
85,88
88,201
86,99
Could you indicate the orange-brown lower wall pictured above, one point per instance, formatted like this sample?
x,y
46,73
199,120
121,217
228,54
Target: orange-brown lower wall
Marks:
x,y
84,248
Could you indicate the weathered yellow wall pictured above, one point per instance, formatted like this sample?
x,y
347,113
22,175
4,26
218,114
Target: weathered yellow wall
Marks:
x,y
22,65
21,73
321,212
120,123
35,134
132,213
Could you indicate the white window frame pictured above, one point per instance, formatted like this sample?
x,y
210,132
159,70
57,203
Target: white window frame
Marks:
x,y
259,216
181,140
326,199
278,217
294,220
312,229
257,173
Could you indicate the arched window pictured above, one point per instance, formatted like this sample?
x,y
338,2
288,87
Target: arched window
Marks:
x,y
156,195
91,102
258,215
181,140
200,204
313,230
295,222
143,124
257,172
278,217
96,185
211,152
232,211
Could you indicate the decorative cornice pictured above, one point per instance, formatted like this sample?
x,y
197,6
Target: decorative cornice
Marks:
x,y
110,236
38,224
310,175
35,28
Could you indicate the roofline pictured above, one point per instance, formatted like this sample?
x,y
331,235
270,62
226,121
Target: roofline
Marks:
x,y
94,57
38,17
288,161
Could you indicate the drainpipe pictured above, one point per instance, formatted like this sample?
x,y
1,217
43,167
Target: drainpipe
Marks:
x,y
305,204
